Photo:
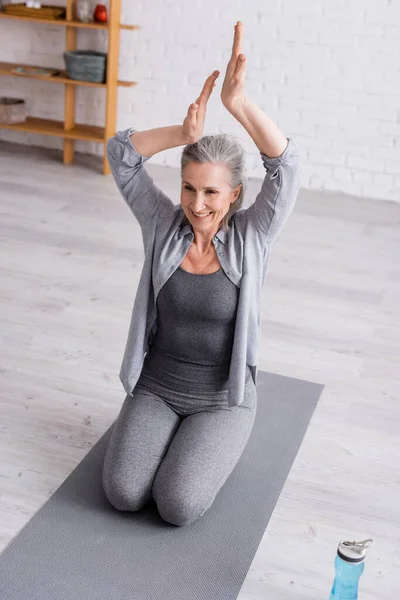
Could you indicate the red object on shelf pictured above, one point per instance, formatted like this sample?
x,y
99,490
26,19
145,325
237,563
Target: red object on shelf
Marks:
x,y
100,13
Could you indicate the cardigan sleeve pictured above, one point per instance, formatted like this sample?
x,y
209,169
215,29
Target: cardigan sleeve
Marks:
x,y
135,184
276,199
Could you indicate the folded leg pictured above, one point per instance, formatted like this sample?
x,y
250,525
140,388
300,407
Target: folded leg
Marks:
x,y
139,441
202,454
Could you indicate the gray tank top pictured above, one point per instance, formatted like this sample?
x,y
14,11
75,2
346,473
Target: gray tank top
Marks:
x,y
191,351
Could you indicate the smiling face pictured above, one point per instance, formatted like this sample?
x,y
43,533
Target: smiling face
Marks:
x,y
206,189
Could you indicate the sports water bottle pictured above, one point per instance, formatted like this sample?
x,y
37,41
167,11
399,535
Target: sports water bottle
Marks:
x,y
349,565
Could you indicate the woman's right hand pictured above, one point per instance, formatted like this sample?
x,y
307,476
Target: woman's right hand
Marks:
x,y
192,128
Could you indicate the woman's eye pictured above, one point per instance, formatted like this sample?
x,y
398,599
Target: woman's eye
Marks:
x,y
208,191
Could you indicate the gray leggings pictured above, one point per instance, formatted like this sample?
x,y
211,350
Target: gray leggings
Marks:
x,y
181,458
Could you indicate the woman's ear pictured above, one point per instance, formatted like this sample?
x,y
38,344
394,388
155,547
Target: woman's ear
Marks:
x,y
237,191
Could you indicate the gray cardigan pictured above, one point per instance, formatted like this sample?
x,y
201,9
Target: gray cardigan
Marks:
x,y
243,251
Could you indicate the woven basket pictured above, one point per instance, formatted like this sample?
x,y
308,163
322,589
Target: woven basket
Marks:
x,y
86,65
12,110
45,12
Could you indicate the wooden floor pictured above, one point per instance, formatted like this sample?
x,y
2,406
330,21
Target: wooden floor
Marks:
x,y
71,256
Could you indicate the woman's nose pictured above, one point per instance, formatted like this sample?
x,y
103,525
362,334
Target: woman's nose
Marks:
x,y
198,207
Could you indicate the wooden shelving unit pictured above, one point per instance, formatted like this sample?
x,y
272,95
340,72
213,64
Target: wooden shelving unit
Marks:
x,y
68,129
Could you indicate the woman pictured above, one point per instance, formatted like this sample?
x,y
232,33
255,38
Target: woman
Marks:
x,y
190,362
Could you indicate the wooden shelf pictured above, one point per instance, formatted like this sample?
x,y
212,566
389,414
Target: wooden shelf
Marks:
x,y
68,23
6,69
89,133
68,129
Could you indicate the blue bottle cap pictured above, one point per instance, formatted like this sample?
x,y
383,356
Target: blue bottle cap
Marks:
x,y
354,552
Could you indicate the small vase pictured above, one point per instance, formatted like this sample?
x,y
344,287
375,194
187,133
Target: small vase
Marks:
x,y
100,13
83,11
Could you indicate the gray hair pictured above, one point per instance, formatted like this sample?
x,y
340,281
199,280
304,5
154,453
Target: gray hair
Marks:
x,y
221,148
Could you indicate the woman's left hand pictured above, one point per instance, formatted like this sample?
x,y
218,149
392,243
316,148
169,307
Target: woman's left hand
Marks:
x,y
232,93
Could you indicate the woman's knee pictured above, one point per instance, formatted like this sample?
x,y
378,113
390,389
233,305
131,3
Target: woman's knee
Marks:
x,y
180,513
123,496
177,507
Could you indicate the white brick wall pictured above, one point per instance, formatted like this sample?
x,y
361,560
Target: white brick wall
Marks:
x,y
327,71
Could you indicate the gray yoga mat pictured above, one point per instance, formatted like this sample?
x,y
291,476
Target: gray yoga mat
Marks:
x,y
78,547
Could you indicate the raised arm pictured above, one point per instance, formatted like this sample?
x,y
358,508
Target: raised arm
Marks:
x,y
151,141
129,149
281,159
280,155
127,158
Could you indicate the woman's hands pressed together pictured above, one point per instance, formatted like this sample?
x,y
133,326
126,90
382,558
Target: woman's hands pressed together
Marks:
x,y
267,136
232,93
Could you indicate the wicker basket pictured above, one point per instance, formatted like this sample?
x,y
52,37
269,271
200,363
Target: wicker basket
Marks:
x,y
45,12
86,65
12,110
